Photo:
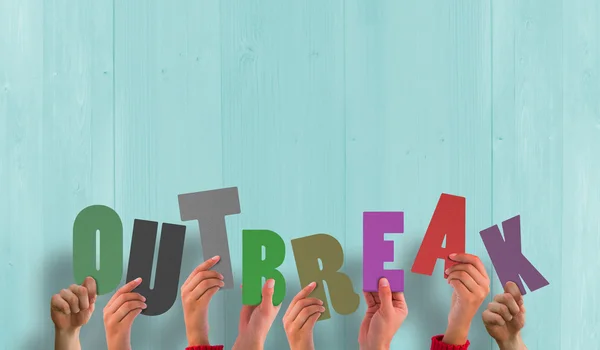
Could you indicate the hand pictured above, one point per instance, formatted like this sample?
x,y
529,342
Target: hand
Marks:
x,y
119,313
256,320
70,309
471,286
505,317
300,318
385,313
196,293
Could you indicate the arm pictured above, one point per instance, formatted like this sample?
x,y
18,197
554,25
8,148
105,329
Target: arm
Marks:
x,y
70,310
196,293
300,319
471,285
256,321
505,317
386,311
119,314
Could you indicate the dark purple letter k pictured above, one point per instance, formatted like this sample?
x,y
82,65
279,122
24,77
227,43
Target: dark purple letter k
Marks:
x,y
507,258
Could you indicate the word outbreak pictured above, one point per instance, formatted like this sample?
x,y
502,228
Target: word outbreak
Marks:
x,y
318,257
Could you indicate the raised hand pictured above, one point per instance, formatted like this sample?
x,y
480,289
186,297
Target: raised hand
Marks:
x,y
196,293
471,286
386,311
505,317
256,320
300,318
70,309
119,313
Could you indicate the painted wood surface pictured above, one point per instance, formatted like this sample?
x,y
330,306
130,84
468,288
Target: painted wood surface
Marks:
x,y
316,111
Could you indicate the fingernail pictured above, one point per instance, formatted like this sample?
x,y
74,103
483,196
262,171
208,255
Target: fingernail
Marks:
x,y
322,309
221,276
139,279
143,298
320,302
447,271
384,282
216,257
144,306
271,283
312,284
452,256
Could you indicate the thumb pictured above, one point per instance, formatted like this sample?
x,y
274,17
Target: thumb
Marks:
x,y
267,293
90,284
385,294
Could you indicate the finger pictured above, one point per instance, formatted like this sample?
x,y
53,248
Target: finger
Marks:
x,y
306,313
203,267
128,307
304,292
59,304
465,278
458,286
267,293
210,293
369,299
92,289
492,319
472,271
201,276
294,311
312,320
385,294
204,286
398,300
125,289
70,298
122,299
513,289
130,317
470,259
501,310
82,295
509,301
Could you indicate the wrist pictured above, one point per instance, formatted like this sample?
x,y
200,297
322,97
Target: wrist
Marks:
x,y
67,333
456,334
302,345
248,344
197,338
514,343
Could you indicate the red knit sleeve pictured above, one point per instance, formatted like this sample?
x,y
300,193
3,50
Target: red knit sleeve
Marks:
x,y
205,347
437,344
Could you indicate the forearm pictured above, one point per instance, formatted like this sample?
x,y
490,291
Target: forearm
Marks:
x,y
66,340
456,334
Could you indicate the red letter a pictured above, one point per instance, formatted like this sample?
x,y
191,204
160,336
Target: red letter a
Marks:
x,y
448,220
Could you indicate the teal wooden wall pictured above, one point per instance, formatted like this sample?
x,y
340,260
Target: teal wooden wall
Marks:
x,y
317,111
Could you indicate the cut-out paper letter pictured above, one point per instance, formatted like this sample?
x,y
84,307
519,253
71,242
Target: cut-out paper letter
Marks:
x,y
376,250
102,221
308,252
255,267
507,257
162,295
448,221
210,209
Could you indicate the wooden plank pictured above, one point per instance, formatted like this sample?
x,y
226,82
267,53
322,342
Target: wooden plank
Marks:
x,y
22,251
77,133
418,124
168,133
580,263
527,99
283,134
